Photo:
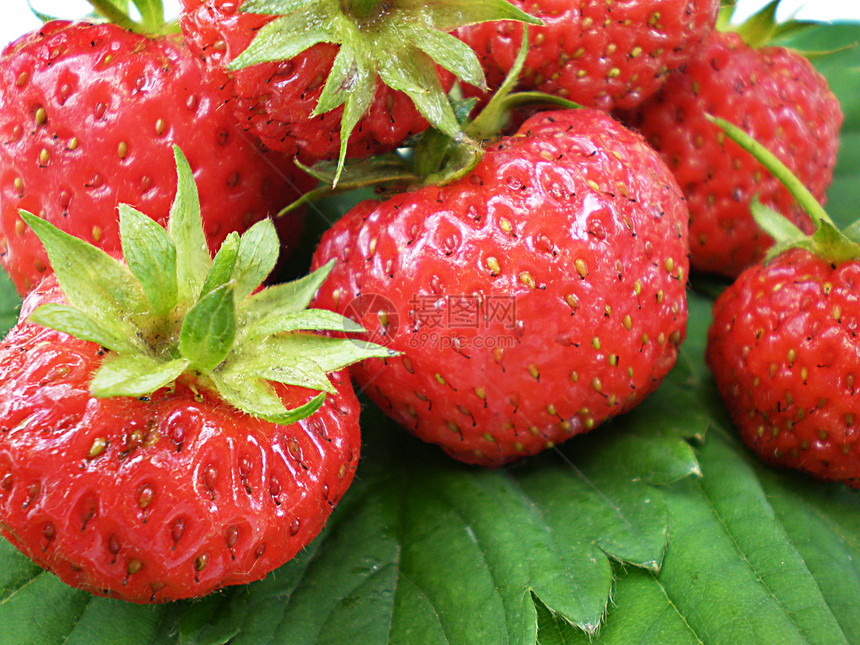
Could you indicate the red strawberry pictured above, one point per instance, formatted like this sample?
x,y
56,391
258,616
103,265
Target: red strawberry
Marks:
x,y
784,353
179,444
374,58
783,346
88,117
532,299
778,98
597,53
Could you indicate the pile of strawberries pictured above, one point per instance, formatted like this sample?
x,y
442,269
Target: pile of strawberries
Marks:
x,y
168,427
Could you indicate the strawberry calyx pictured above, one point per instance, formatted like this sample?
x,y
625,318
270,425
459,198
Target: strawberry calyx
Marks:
x,y
151,23
828,241
761,28
433,158
171,311
399,42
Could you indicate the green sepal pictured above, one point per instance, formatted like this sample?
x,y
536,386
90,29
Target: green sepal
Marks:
x,y
301,372
446,15
223,264
762,28
283,39
209,328
151,256
44,17
185,228
307,320
135,375
258,398
94,282
352,85
74,322
415,76
276,7
400,43
284,298
784,232
831,243
258,254
331,354
450,52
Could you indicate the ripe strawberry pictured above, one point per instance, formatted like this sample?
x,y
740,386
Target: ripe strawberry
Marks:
x,y
778,98
532,299
783,343
784,353
179,443
597,53
291,70
88,117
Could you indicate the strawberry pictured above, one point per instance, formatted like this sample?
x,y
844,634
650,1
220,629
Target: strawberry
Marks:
x,y
783,343
535,297
321,79
88,117
165,428
777,97
597,53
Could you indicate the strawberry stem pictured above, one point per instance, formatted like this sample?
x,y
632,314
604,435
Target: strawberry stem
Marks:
x,y
779,170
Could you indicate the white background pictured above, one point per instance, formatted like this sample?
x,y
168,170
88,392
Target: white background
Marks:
x,y
17,18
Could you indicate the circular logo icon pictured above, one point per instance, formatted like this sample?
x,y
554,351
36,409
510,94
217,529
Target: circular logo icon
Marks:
x,y
377,314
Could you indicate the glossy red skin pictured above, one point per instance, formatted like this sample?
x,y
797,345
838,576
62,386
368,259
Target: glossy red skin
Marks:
x,y
596,53
784,351
88,520
93,108
274,101
776,96
529,205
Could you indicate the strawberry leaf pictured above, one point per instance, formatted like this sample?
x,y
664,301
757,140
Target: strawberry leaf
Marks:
x,y
258,398
223,264
151,256
135,376
209,328
285,298
258,253
78,324
185,228
96,283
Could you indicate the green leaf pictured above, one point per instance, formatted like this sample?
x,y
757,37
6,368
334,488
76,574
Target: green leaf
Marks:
x,y
301,372
151,256
209,328
93,281
331,354
448,14
258,253
417,78
285,298
306,320
449,52
277,7
283,39
185,228
256,397
78,324
135,376
223,264
422,549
